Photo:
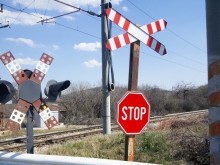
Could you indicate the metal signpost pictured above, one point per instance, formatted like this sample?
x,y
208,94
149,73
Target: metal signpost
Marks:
x,y
133,108
29,85
1,117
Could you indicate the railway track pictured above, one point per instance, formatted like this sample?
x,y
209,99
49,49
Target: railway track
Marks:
x,y
18,144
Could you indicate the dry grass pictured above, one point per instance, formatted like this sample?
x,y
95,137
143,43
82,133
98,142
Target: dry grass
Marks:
x,y
154,146
98,146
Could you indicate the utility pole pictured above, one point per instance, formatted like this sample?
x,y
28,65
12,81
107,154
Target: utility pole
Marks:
x,y
213,50
105,67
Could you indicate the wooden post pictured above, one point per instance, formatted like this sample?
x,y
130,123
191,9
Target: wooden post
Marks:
x,y
132,86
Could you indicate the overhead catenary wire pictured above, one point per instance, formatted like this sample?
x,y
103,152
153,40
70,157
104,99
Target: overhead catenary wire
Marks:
x,y
74,29
21,11
45,11
57,23
170,61
4,26
97,37
171,31
89,12
173,62
45,20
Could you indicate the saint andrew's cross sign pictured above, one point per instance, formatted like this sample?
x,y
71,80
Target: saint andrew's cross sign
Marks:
x,y
135,33
29,85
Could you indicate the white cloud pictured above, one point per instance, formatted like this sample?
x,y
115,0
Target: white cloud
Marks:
x,y
68,17
25,41
55,47
124,8
92,63
24,19
27,61
52,5
88,46
19,18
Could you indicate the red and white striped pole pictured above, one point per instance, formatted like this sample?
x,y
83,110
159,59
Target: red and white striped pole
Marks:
x,y
213,40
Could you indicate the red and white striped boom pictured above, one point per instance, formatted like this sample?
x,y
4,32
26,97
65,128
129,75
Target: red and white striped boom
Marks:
x,y
135,33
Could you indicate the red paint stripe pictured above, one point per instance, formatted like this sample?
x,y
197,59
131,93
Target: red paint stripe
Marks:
x,y
117,18
157,23
108,46
149,41
157,48
117,42
150,30
126,25
107,11
127,40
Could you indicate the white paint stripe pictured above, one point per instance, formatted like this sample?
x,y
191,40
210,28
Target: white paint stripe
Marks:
x,y
136,32
162,25
162,48
154,28
121,21
153,45
112,44
214,86
214,114
43,67
17,116
214,146
13,66
112,15
46,114
122,40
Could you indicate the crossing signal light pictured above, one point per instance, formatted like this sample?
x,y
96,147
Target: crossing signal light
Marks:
x,y
7,91
53,89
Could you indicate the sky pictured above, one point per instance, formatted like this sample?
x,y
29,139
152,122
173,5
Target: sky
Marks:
x,y
74,40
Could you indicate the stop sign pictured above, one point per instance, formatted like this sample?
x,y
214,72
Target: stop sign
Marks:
x,y
133,113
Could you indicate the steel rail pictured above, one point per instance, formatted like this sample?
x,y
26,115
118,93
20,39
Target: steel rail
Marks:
x,y
79,133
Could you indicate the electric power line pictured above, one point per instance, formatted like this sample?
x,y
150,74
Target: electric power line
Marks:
x,y
170,61
171,31
86,11
45,20
71,28
59,24
173,62
91,35
45,11
21,10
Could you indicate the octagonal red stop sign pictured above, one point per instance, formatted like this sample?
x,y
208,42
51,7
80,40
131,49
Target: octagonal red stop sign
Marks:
x,y
133,113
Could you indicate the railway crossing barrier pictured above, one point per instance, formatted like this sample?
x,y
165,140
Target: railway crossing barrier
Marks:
x,y
10,158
